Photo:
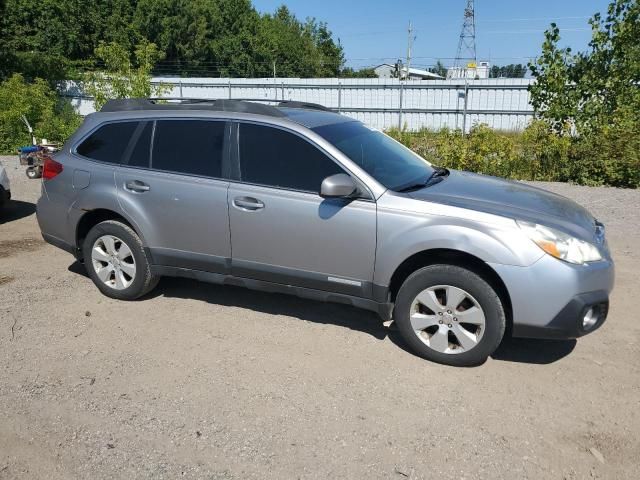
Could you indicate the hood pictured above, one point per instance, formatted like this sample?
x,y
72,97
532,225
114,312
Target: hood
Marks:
x,y
512,200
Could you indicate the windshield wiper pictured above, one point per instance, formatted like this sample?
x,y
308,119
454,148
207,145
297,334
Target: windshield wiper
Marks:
x,y
438,174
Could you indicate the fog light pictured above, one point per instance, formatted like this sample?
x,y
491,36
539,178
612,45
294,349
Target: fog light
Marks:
x,y
590,318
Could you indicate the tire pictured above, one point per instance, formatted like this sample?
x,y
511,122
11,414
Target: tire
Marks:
x,y
465,324
124,274
32,173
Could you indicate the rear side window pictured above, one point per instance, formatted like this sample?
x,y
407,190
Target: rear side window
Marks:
x,y
192,147
108,143
140,146
273,157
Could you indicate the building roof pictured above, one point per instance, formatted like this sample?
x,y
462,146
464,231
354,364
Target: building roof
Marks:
x,y
416,72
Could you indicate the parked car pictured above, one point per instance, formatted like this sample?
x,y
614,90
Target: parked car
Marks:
x,y
5,188
297,199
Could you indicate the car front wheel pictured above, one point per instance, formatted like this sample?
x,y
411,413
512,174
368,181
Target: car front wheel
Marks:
x,y
450,315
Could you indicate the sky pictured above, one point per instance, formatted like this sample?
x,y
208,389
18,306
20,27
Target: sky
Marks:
x,y
507,31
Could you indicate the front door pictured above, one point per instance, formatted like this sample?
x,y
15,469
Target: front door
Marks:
x,y
282,231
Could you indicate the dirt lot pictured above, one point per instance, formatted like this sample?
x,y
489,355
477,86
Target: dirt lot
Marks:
x,y
202,381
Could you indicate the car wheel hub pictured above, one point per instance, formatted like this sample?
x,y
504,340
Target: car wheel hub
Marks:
x,y
447,319
113,262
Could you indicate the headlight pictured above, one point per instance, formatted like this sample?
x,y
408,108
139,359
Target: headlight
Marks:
x,y
559,244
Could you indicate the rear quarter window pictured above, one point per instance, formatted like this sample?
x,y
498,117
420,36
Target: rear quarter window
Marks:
x,y
108,143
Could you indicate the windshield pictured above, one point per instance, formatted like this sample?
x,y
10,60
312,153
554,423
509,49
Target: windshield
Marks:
x,y
388,161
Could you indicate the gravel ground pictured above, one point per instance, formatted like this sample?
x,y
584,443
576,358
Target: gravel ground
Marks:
x,y
202,381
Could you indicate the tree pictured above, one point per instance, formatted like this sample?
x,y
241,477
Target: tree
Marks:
x,y
595,95
51,38
197,37
439,69
331,53
512,70
51,117
122,78
299,49
349,72
587,88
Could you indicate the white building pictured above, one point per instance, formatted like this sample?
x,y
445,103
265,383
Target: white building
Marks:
x,y
386,70
472,71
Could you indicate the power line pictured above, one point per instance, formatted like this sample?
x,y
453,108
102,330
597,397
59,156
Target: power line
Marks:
x,y
518,32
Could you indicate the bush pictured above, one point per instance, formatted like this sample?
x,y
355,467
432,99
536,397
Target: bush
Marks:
x,y
537,153
51,117
594,96
611,155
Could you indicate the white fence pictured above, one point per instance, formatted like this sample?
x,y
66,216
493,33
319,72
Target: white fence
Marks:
x,y
381,103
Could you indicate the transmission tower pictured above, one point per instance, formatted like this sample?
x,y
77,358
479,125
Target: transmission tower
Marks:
x,y
467,44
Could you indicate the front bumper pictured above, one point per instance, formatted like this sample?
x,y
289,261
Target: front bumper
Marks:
x,y
570,321
550,298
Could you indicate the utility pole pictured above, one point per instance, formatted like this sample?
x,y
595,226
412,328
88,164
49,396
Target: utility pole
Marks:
x,y
274,71
410,40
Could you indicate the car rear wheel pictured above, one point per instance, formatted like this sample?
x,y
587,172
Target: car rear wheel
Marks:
x,y
116,261
450,315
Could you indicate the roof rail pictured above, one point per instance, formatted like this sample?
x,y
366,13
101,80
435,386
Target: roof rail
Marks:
x,y
220,105
306,105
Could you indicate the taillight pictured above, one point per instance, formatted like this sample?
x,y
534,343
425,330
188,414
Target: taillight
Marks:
x,y
51,168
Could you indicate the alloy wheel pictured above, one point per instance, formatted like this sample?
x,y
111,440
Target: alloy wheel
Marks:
x,y
447,319
113,262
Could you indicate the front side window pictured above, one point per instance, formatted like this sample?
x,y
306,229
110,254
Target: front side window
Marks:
x,y
389,162
276,158
192,147
108,143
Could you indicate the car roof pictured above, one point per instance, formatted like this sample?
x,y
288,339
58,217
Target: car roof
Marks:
x,y
309,115
314,118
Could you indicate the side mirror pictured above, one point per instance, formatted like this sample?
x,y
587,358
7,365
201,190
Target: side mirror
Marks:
x,y
339,185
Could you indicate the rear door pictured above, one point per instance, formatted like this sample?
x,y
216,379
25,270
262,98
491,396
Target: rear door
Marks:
x,y
171,184
282,230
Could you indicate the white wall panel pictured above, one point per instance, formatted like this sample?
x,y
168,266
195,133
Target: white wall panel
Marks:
x,y
500,103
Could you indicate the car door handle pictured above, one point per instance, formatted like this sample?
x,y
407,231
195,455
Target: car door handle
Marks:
x,y
248,203
137,186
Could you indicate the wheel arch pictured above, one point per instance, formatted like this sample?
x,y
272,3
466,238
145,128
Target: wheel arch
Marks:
x,y
93,217
452,257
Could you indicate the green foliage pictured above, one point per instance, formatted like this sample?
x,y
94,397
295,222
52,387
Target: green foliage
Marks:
x,y
513,70
537,153
299,49
594,96
50,117
122,78
612,155
50,38
56,39
439,69
553,95
349,72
